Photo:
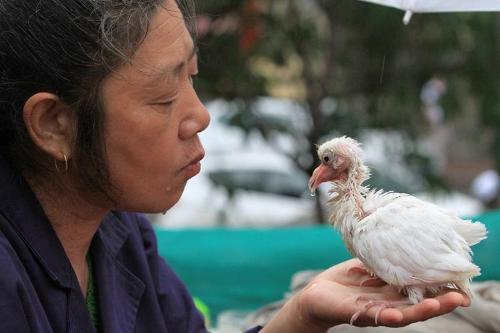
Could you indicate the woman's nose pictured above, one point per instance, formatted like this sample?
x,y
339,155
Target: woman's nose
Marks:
x,y
198,119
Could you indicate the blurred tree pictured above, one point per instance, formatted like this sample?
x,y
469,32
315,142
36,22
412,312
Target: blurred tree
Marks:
x,y
350,64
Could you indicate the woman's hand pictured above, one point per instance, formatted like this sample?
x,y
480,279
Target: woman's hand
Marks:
x,y
336,295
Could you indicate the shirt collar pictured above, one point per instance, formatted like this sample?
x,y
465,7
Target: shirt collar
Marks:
x,y
113,232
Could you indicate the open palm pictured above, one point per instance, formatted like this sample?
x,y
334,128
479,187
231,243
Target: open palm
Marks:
x,y
337,294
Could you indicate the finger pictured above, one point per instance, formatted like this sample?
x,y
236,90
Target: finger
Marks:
x,y
390,317
373,282
424,310
451,300
432,307
345,266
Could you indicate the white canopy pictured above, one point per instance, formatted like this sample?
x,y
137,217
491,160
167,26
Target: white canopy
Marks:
x,y
436,6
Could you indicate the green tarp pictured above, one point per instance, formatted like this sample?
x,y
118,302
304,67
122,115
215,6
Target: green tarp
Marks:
x,y
247,268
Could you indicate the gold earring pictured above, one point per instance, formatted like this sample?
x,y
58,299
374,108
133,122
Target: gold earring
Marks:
x,y
65,163
66,167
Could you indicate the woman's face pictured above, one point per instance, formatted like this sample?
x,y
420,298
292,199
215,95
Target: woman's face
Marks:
x,y
153,117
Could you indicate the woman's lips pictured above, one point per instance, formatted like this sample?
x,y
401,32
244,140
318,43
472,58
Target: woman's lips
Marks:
x,y
192,169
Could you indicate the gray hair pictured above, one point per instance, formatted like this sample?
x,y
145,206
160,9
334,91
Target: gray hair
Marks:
x,y
67,47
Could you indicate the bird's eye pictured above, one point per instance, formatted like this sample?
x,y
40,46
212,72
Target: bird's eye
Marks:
x,y
327,157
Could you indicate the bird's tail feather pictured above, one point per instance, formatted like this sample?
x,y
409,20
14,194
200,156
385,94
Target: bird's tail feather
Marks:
x,y
463,286
472,232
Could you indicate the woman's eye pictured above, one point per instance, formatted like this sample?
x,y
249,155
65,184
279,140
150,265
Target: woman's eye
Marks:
x,y
166,103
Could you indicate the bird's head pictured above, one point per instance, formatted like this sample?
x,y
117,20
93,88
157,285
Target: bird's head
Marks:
x,y
341,160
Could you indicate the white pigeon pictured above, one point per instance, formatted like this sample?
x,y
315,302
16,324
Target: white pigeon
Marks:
x,y
414,245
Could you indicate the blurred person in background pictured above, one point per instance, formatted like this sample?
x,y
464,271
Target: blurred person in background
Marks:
x,y
486,187
99,118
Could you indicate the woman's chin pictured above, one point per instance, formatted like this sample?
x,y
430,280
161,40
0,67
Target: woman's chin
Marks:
x,y
152,205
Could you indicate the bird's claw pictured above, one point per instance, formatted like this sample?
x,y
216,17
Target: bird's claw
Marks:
x,y
381,304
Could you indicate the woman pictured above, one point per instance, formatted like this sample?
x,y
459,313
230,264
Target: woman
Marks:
x,y
99,118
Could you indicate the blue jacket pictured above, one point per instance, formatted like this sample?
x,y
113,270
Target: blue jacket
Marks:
x,y
39,291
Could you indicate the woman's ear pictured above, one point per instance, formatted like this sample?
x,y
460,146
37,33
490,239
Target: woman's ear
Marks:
x,y
49,124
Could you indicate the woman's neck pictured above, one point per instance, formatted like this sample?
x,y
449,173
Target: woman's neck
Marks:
x,y
74,220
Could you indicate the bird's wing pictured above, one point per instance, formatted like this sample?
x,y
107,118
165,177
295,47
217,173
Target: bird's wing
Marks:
x,y
408,242
472,232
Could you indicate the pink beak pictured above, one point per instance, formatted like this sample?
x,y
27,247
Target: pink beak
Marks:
x,y
321,174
